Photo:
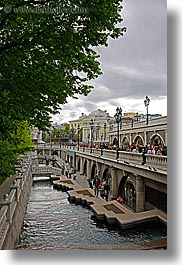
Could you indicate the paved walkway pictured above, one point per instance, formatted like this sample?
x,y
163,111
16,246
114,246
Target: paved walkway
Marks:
x,y
82,180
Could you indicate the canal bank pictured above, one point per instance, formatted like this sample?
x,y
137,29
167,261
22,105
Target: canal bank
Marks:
x,y
51,222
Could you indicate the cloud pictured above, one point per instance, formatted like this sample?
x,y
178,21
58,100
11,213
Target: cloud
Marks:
x,y
133,66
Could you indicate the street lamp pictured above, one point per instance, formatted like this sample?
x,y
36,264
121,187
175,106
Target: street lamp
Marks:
x,y
147,102
91,127
78,128
118,116
105,125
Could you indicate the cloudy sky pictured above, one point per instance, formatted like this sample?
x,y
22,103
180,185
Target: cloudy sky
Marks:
x,y
133,66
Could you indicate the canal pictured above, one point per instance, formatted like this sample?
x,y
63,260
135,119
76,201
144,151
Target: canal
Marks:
x,y
51,222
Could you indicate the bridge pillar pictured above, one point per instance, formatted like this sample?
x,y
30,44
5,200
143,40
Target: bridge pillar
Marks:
x,y
88,168
139,194
145,138
81,166
114,188
98,169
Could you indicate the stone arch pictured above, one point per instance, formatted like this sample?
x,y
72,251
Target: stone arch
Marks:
x,y
127,191
138,139
156,139
93,170
107,176
125,140
115,141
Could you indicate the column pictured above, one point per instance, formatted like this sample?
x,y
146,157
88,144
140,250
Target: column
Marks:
x,y
145,137
139,194
83,135
81,166
114,188
130,139
88,168
98,167
165,139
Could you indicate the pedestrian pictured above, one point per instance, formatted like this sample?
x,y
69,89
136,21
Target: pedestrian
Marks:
x,y
120,199
62,169
106,190
74,175
96,184
69,173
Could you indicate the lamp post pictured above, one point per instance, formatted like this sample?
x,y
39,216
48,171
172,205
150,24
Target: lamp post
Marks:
x,y
117,117
146,103
78,128
91,127
105,131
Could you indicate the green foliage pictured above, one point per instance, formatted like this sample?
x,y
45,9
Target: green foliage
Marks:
x,y
19,142
45,57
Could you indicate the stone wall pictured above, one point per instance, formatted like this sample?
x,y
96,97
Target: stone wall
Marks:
x,y
13,207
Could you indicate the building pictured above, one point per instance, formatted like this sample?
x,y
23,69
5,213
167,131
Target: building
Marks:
x,y
93,127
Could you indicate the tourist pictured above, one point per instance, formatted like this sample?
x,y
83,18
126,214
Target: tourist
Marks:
x,y
120,199
106,190
90,184
96,184
62,169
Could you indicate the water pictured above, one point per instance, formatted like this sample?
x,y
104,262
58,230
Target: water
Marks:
x,y
51,222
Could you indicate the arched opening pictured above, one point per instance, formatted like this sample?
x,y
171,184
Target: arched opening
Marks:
x,y
115,141
156,140
93,171
125,141
138,140
127,192
107,176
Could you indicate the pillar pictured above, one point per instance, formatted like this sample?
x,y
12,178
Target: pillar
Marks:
x,y
81,166
114,188
98,166
139,194
145,137
165,132
88,168
130,139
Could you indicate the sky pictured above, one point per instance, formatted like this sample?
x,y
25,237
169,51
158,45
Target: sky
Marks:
x,y
133,66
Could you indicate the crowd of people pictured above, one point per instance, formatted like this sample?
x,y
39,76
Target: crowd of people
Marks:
x,y
135,148
101,187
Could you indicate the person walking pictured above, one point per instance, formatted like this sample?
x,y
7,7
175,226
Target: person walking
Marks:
x,y
96,184
106,191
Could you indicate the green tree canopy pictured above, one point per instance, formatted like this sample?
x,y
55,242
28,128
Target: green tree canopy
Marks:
x,y
47,54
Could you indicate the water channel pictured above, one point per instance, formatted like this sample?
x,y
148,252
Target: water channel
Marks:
x,y
51,222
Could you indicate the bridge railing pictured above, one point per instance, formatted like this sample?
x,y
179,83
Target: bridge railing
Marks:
x,y
46,170
156,161
9,203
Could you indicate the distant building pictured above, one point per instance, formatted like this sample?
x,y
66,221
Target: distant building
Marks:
x,y
96,132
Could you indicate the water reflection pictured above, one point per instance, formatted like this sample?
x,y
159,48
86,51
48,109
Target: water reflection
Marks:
x,y
51,222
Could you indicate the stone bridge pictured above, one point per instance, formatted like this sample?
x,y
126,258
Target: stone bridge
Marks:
x,y
142,185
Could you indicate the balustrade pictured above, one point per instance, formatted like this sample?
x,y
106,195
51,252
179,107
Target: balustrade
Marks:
x,y
10,201
158,162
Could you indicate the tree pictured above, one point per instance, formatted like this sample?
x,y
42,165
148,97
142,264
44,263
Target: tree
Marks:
x,y
46,57
19,142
